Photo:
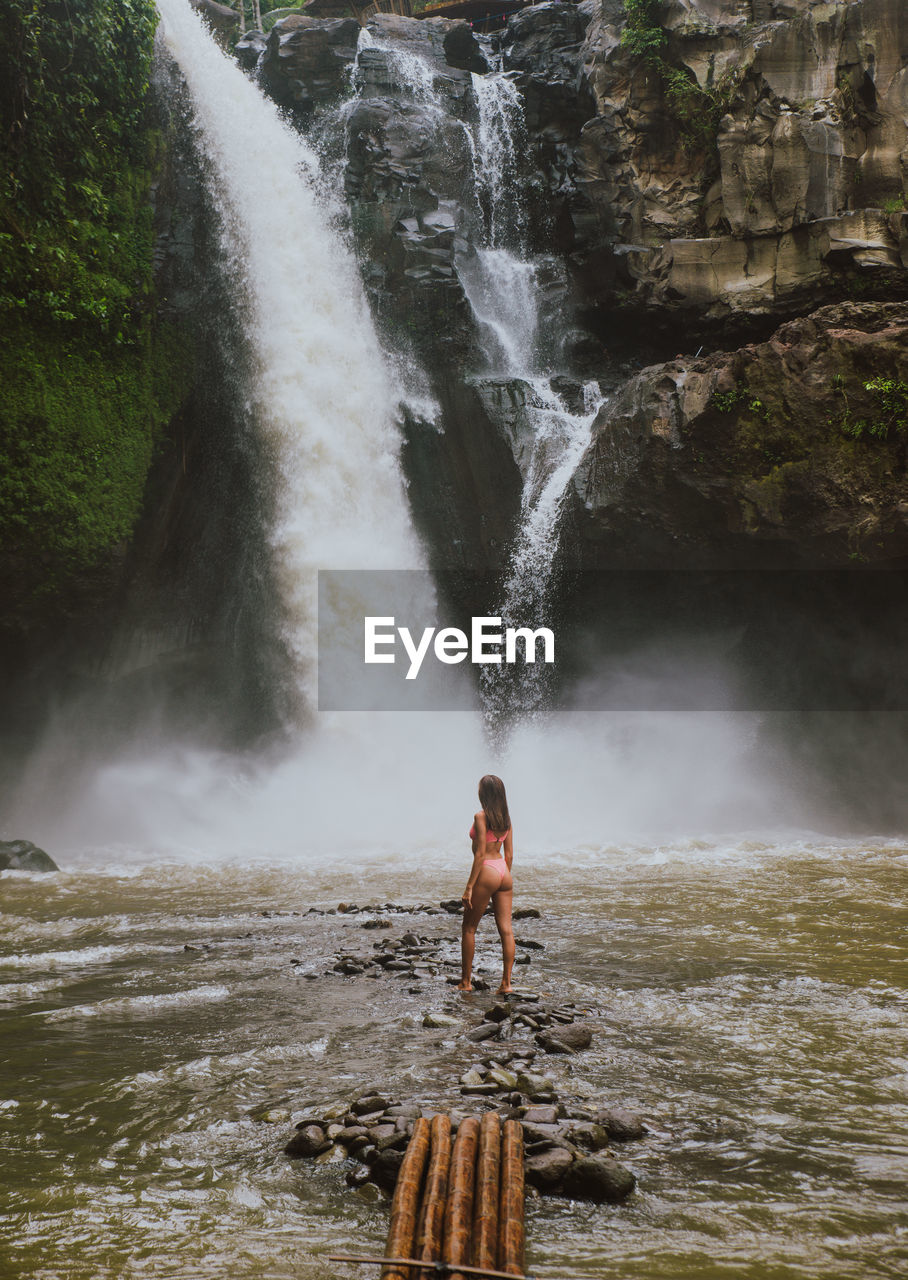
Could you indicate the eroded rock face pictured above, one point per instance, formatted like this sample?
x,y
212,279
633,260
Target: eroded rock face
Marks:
x,y
810,104
788,451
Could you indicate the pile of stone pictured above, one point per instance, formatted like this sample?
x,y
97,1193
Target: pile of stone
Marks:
x,y
410,956
567,1147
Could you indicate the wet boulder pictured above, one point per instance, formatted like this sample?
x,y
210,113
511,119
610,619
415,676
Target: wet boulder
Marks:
x,y
386,1167
599,1179
545,1169
249,49
622,1125
307,60
22,855
566,1039
311,1140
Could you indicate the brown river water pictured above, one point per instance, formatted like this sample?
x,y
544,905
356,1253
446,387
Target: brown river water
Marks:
x,y
753,1005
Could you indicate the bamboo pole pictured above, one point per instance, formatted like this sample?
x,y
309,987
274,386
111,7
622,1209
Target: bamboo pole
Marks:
x,y
459,1212
429,1237
510,1232
485,1213
405,1202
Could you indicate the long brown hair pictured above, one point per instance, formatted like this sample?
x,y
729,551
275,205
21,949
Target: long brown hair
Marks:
x,y
494,804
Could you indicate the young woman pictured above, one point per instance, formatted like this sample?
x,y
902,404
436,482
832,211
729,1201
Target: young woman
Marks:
x,y
490,877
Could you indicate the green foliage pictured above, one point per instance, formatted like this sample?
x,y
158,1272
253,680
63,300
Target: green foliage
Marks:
x,y
728,401
79,418
75,225
890,416
643,34
897,204
88,379
697,109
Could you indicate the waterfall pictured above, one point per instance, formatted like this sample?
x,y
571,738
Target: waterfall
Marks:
x,y
501,281
321,396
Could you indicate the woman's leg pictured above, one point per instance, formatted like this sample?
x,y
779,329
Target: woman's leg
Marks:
x,y
501,905
482,891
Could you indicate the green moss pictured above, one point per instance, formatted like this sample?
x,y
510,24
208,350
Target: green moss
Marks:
x,y
89,380
79,418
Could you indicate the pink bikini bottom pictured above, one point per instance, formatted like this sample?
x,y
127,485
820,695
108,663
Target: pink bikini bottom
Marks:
x,y
499,864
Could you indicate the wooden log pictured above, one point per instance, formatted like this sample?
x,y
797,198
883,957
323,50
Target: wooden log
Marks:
x,y
510,1230
405,1203
430,1235
485,1210
459,1211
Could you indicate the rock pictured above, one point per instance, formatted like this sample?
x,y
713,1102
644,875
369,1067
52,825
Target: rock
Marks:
x,y
566,1039
438,1021
385,1167
308,1141
586,1134
504,1079
274,1115
370,1102
497,1013
545,1169
530,944
22,855
249,48
540,1115
743,455
536,1088
350,1133
621,1125
485,1031
396,1141
306,60
220,17
452,906
599,1179
472,1077
485,1090
526,913
359,1176
547,1134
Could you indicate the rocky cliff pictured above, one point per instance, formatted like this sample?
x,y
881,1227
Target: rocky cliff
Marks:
x,y
693,174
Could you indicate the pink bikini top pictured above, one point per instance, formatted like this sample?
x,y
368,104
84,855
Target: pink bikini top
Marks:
x,y
490,839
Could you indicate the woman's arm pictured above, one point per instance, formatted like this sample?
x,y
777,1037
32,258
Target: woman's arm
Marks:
x,y
478,845
508,847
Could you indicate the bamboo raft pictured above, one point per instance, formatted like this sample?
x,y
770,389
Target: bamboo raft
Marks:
x,y
458,1206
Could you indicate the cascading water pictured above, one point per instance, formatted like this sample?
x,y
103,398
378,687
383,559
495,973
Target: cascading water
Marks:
x,y
321,396
502,284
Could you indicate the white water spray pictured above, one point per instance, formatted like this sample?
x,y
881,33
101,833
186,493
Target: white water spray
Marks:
x,y
321,395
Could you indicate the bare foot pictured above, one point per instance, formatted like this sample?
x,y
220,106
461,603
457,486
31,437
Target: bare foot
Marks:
x,y
504,991
464,986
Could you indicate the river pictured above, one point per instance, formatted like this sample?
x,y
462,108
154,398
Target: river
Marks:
x,y
753,1006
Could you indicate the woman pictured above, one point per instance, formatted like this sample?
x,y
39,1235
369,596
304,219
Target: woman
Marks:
x,y
490,877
